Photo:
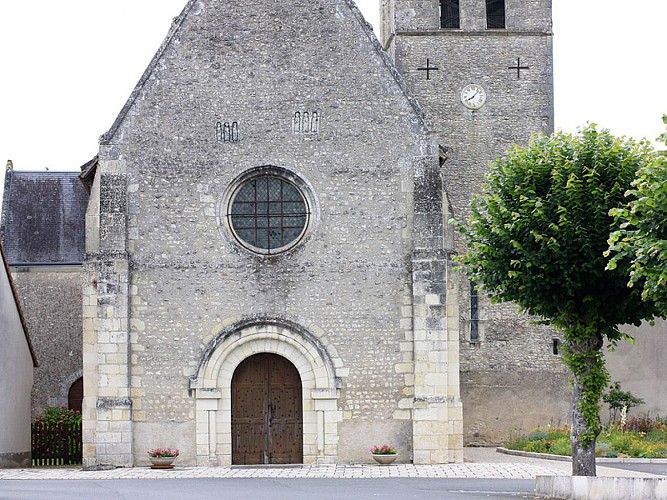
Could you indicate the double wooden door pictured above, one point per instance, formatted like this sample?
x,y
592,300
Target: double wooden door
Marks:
x,y
267,416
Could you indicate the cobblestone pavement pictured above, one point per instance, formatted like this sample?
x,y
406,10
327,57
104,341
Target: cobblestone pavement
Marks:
x,y
480,463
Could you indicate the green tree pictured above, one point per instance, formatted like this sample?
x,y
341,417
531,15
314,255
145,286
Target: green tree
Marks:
x,y
663,137
537,236
617,399
641,239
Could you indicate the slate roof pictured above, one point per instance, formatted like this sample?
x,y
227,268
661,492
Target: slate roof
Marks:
x,y
43,218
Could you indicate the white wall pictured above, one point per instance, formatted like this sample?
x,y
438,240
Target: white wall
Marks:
x,y
16,375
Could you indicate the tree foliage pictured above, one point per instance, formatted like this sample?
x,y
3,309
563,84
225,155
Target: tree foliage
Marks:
x,y
663,137
537,237
641,240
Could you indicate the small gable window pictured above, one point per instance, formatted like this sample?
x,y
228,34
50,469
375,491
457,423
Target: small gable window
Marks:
x,y
495,14
449,14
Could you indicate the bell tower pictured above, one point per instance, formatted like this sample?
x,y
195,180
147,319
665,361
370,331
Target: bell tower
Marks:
x,y
482,71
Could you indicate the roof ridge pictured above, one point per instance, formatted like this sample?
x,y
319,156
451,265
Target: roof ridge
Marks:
x,y
46,172
5,203
175,26
403,85
178,22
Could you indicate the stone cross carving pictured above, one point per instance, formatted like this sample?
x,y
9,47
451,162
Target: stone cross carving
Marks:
x,y
428,68
518,68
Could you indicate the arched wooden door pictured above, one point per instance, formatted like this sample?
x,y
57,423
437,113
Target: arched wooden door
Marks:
x,y
267,416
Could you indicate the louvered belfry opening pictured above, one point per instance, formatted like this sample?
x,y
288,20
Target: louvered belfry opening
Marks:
x,y
495,14
449,14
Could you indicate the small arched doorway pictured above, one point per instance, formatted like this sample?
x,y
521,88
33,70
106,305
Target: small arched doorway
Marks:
x,y
75,395
267,414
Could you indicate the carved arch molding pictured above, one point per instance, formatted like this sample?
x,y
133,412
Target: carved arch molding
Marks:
x,y
212,387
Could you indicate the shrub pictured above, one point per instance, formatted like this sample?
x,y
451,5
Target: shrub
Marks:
x,y
614,440
516,443
643,424
385,449
561,447
559,433
538,434
658,434
543,440
163,453
602,449
537,446
58,414
621,443
54,434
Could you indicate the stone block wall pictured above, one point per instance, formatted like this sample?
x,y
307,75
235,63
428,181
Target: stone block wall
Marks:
x,y
52,306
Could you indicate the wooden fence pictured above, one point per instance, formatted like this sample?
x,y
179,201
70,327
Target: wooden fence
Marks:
x,y
56,444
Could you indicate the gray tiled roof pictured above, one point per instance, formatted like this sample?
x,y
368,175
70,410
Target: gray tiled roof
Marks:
x,y
43,218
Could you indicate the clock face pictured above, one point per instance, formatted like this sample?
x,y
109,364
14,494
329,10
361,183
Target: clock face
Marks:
x,y
473,96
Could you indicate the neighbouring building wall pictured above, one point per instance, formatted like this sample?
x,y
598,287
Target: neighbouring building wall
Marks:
x,y
641,367
16,365
52,306
43,233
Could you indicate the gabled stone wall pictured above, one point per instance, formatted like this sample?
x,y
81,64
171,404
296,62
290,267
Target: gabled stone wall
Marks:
x,y
303,91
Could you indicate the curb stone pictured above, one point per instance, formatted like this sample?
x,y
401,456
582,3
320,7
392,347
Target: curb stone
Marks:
x,y
567,458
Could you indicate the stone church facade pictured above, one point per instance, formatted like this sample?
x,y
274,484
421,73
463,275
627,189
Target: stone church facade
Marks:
x,y
268,272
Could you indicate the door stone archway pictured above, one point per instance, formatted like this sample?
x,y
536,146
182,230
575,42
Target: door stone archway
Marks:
x,y
316,368
267,416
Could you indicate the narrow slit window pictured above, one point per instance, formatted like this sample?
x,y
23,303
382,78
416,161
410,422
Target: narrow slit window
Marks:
x,y
495,14
555,347
474,313
449,14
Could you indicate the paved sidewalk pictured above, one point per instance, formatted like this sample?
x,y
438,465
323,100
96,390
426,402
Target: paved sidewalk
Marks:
x,y
480,463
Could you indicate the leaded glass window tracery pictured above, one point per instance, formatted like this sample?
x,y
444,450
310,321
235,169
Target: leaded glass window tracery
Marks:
x,y
268,213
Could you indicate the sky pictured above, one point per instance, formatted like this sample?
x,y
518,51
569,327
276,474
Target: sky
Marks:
x,y
68,66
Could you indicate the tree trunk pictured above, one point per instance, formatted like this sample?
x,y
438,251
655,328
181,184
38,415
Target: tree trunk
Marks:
x,y
583,452
590,377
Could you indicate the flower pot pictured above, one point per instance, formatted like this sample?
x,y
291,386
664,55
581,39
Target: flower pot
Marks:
x,y
384,459
162,462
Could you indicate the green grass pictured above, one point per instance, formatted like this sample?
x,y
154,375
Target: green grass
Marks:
x,y
614,441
